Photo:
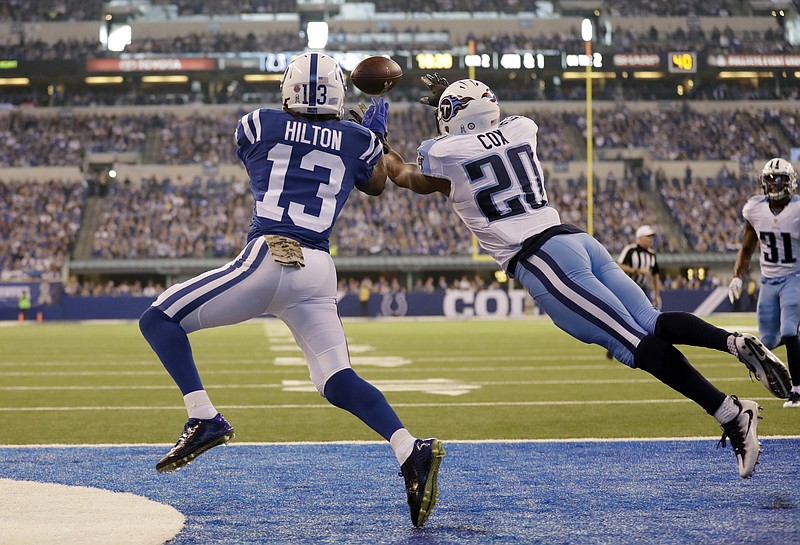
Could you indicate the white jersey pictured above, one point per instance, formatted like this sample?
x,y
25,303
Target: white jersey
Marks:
x,y
778,236
497,185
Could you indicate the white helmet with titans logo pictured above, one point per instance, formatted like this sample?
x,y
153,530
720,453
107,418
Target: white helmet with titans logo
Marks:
x,y
778,179
467,106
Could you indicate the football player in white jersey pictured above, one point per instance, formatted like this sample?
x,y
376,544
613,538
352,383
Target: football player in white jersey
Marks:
x,y
490,171
772,222
303,162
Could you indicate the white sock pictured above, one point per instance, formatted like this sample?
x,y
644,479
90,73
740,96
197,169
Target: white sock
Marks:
x,y
732,345
402,443
796,389
199,405
727,411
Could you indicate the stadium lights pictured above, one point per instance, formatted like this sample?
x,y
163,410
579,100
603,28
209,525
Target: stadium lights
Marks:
x,y
262,77
317,32
165,79
99,80
743,75
586,30
15,81
582,75
648,75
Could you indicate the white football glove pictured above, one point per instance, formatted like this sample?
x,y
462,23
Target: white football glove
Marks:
x,y
735,289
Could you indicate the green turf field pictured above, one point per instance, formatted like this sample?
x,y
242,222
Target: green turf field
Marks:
x,y
516,379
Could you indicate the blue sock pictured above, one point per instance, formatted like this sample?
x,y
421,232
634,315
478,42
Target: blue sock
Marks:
x,y
171,343
352,393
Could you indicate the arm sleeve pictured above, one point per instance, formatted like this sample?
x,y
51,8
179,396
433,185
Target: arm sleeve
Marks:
x,y
372,154
248,132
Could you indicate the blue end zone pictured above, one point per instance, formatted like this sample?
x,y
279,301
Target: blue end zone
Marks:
x,y
676,492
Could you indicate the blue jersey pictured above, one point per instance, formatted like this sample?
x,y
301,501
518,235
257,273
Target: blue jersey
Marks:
x,y
302,171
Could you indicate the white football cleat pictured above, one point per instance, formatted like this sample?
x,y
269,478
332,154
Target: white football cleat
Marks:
x,y
793,402
743,433
767,368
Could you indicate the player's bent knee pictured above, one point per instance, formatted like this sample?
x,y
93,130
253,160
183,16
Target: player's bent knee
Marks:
x,y
323,366
150,320
656,356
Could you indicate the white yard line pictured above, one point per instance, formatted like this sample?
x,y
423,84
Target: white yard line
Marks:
x,y
56,388
268,370
438,405
428,359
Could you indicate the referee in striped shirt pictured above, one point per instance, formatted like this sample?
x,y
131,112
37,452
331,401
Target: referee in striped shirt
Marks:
x,y
639,261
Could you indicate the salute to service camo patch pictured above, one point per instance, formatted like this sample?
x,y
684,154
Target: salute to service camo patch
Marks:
x,y
285,251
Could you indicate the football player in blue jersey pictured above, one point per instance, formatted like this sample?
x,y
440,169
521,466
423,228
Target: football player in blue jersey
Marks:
x,y
489,169
303,161
772,222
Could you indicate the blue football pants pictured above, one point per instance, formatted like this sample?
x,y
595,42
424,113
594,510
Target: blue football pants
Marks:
x,y
778,309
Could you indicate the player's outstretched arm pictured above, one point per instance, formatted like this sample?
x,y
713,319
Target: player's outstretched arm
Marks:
x,y
377,183
407,175
749,242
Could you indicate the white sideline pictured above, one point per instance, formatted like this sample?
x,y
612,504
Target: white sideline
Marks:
x,y
449,441
35,513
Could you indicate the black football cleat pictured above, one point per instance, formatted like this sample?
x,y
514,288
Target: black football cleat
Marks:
x,y
420,472
198,436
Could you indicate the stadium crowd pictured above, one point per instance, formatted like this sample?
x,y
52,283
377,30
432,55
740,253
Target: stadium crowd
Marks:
x,y
693,38
636,8
709,210
667,134
208,217
166,218
715,41
353,285
90,287
687,134
89,10
51,10
38,225
59,140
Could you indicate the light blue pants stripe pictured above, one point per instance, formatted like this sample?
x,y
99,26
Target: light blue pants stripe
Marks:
x,y
578,284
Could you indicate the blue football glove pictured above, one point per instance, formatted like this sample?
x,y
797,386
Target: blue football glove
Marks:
x,y
377,116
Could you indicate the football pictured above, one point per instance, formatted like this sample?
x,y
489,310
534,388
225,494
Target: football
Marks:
x,y
376,75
